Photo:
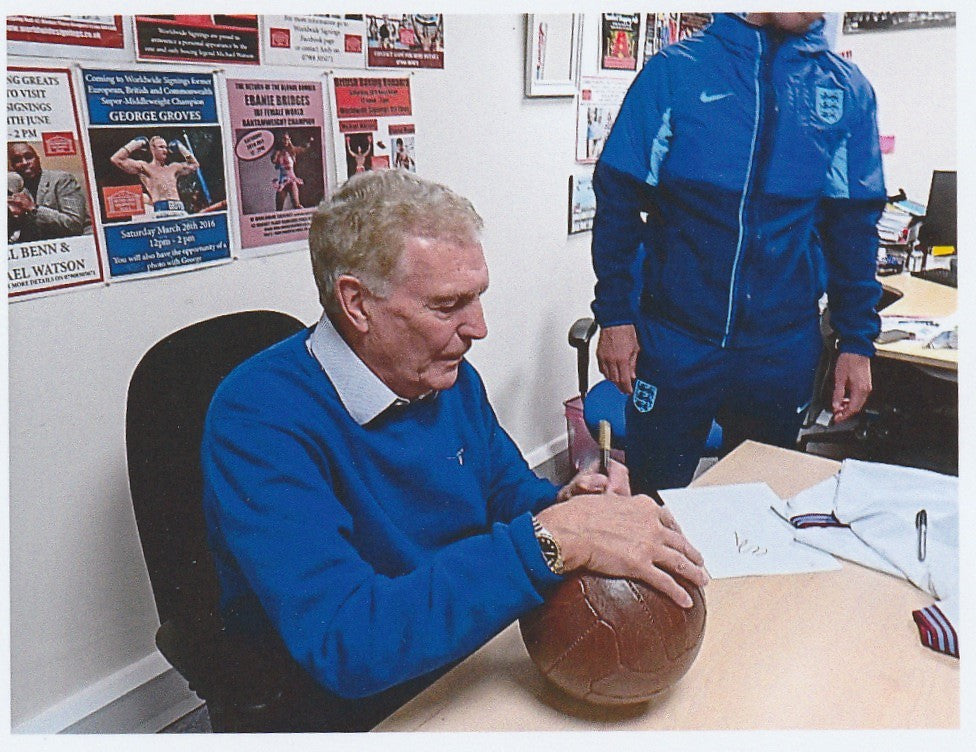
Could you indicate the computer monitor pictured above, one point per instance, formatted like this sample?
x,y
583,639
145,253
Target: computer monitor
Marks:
x,y
939,224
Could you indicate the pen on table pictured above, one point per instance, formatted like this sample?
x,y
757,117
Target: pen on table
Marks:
x,y
921,527
604,441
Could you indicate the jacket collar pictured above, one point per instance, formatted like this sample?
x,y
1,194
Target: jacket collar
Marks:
x,y
743,38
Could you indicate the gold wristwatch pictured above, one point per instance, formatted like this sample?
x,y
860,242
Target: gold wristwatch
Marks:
x,y
550,548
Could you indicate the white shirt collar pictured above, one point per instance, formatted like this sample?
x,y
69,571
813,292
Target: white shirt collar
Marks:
x,y
362,392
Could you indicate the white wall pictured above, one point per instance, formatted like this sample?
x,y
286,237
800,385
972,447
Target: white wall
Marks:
x,y
81,606
914,76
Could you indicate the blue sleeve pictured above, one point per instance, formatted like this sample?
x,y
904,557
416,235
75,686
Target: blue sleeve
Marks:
x,y
513,488
848,221
623,183
354,629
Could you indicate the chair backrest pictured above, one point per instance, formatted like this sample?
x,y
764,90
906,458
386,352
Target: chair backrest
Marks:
x,y
169,394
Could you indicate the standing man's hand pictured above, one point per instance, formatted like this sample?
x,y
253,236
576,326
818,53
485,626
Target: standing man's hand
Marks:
x,y
852,385
616,353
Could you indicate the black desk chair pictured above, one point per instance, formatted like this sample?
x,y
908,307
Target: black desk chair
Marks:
x,y
869,429
170,390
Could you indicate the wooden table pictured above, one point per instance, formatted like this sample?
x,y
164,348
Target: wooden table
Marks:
x,y
828,650
926,299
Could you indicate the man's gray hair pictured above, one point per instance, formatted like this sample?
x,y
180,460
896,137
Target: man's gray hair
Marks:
x,y
362,229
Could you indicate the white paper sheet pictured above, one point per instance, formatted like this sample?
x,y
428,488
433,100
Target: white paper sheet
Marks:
x,y
739,534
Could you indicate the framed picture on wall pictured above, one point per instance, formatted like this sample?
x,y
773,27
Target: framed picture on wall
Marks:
x,y
552,53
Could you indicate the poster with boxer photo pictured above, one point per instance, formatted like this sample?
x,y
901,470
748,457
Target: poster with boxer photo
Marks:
x,y
158,169
279,160
50,245
408,40
374,127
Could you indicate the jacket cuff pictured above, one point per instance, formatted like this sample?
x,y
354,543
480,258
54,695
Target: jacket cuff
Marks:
x,y
856,346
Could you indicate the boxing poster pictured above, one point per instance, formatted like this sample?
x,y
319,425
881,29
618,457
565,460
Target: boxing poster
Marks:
x,y
158,169
70,37
217,38
50,245
328,41
373,126
618,47
598,103
408,40
279,159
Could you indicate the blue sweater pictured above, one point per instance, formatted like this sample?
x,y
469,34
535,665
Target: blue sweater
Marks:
x,y
379,553
757,161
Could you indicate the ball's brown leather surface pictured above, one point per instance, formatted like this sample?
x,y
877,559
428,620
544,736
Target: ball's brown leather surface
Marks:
x,y
612,641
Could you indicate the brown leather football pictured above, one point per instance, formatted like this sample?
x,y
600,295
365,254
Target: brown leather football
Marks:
x,y
612,641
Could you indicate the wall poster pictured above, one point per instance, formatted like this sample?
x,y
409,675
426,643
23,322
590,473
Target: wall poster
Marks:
x,y
220,38
374,125
71,37
279,159
157,160
599,102
618,41
322,40
50,245
582,203
405,41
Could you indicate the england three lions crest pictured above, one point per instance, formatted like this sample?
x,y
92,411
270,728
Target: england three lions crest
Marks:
x,y
830,104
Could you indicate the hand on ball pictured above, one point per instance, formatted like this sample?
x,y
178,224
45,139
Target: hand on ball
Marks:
x,y
626,536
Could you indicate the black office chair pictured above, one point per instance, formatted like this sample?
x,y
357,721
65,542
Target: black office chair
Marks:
x,y
872,426
170,390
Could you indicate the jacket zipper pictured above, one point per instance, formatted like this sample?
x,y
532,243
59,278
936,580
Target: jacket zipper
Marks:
x,y
745,187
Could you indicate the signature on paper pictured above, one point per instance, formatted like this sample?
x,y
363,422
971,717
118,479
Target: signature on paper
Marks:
x,y
745,547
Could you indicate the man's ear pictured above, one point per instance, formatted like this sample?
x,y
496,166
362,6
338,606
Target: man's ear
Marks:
x,y
351,294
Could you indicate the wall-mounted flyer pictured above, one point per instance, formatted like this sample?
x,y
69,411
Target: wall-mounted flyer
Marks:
x,y
410,40
158,166
50,245
201,38
582,203
70,37
618,45
279,159
322,40
374,124
599,102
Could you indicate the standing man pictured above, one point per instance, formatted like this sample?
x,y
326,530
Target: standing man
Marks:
x,y
363,503
159,176
753,152
42,204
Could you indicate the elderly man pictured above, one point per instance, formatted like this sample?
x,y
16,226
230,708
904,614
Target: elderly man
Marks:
x,y
42,204
158,176
363,502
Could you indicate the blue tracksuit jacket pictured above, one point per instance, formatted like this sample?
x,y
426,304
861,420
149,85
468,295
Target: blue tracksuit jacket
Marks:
x,y
755,156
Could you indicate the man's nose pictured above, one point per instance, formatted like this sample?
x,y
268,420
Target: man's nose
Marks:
x,y
473,325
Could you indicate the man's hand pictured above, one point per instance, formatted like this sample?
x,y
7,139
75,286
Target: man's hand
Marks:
x,y
852,385
20,204
625,536
590,481
616,353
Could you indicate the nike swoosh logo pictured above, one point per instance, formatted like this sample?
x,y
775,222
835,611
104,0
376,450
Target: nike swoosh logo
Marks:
x,y
706,98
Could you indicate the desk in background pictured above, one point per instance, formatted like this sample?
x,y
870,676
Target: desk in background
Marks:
x,y
827,650
920,297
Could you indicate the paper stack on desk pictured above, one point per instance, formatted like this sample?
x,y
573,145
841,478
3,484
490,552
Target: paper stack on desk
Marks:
x,y
738,533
